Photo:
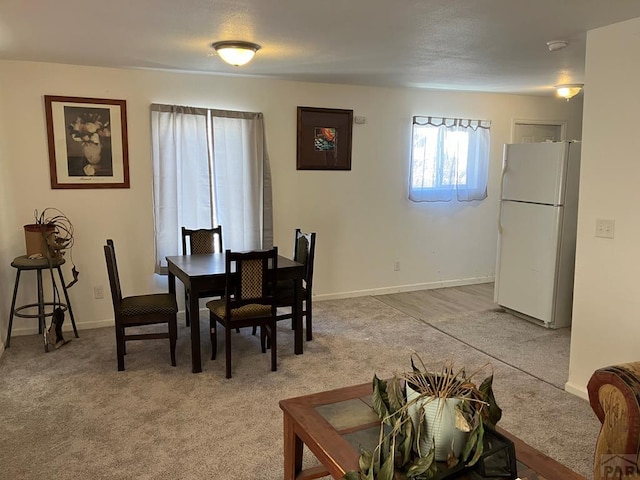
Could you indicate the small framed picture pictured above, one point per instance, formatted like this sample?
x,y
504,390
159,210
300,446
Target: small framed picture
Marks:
x,y
87,142
324,138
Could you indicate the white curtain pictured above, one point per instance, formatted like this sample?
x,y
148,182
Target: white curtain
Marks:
x,y
242,180
450,159
210,168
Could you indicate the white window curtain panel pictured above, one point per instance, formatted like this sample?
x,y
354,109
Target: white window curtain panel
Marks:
x,y
454,162
210,168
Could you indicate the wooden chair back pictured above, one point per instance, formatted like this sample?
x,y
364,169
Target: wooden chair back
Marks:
x,y
251,278
304,252
114,277
201,240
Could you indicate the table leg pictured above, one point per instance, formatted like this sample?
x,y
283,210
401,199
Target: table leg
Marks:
x,y
172,284
293,448
297,314
194,316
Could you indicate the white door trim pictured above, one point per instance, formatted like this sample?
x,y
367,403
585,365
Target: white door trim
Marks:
x,y
554,123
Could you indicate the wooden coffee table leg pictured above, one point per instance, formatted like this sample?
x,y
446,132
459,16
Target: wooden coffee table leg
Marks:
x,y
293,448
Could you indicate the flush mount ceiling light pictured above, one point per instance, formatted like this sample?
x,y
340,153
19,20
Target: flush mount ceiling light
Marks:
x,y
569,90
236,52
555,45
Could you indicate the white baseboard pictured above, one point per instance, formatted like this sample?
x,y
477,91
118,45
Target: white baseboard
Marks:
x,y
576,390
109,322
403,288
67,327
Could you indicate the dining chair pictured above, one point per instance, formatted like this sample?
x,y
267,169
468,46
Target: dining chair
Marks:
x,y
249,300
303,252
139,310
201,241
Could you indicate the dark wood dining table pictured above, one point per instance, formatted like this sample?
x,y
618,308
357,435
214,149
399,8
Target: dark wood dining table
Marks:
x,y
201,273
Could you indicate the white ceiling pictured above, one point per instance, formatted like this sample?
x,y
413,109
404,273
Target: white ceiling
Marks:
x,y
481,45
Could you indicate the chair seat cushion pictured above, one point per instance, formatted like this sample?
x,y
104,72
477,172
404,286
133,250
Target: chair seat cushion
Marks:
x,y
157,303
219,309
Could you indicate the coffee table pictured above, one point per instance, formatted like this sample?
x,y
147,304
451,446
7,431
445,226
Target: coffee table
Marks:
x,y
334,423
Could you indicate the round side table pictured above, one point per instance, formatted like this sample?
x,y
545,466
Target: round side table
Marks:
x,y
24,263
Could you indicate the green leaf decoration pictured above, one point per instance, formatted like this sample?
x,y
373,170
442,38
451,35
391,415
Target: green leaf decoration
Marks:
x,y
406,444
472,441
423,442
462,423
422,464
387,470
479,445
371,475
365,460
353,475
379,399
395,395
494,412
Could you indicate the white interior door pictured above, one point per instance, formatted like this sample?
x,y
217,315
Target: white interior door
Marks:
x,y
526,275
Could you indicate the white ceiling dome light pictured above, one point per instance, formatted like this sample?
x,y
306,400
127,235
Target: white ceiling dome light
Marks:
x,y
555,45
236,52
569,90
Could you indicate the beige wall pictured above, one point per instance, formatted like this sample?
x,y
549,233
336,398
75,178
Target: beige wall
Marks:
x,y
7,217
606,319
363,218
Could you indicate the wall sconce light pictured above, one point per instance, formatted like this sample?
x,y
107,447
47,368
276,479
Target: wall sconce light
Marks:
x,y
236,52
569,90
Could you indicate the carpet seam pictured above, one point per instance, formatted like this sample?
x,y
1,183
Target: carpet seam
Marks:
x,y
425,322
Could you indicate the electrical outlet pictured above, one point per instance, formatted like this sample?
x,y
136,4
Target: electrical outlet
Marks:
x,y
605,228
396,266
98,291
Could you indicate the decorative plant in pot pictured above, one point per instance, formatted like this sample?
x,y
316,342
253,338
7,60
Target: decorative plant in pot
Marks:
x,y
428,418
50,237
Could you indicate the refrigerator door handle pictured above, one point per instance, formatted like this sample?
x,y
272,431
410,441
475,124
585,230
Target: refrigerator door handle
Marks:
x,y
504,171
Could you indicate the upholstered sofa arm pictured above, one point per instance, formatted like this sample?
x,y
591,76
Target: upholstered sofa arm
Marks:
x,y
614,394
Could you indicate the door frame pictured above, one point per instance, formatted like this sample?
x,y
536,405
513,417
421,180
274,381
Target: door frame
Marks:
x,y
552,123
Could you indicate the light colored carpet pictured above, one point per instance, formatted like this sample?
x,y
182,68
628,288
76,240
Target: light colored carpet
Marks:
x,y
69,414
539,351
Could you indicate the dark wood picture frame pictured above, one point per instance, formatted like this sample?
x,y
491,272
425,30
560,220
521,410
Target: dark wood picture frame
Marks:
x,y
324,138
87,140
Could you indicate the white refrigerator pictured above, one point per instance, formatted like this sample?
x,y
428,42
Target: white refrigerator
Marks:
x,y
537,231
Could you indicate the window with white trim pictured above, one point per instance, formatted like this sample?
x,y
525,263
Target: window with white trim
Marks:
x,y
449,159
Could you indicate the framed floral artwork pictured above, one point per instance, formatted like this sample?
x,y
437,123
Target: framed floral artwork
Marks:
x,y
87,142
324,138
